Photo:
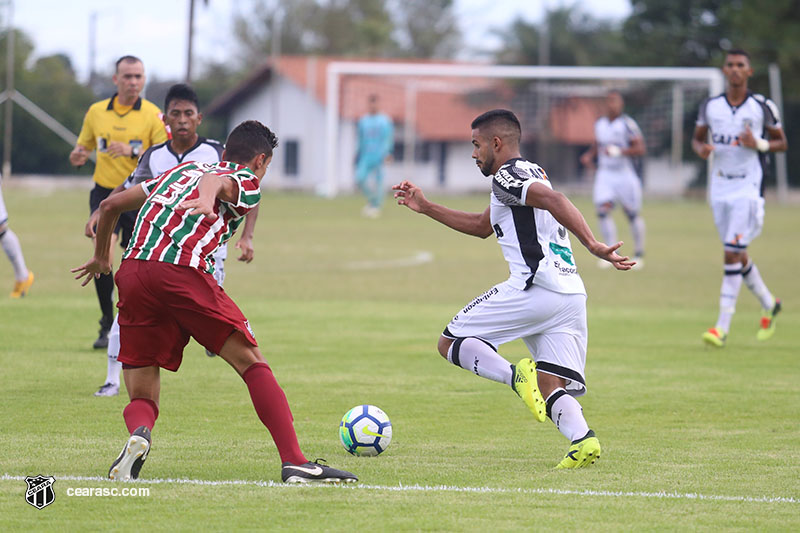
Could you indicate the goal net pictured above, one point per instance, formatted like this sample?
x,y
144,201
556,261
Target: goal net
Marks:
x,y
432,106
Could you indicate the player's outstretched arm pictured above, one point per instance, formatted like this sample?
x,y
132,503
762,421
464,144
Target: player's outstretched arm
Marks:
x,y
109,212
245,243
565,212
411,196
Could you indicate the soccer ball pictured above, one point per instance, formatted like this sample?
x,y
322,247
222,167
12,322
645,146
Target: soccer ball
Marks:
x,y
365,430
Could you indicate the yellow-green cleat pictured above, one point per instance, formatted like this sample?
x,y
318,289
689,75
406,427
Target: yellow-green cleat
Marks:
x,y
767,328
715,337
524,383
582,452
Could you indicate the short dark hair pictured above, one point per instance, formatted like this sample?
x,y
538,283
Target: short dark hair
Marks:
x,y
500,122
737,52
180,91
127,59
249,139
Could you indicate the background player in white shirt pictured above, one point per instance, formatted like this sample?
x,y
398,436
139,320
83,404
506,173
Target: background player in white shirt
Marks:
x,y
743,127
618,140
543,302
182,116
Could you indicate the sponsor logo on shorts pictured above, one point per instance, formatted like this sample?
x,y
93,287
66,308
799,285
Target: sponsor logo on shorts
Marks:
x,y
482,298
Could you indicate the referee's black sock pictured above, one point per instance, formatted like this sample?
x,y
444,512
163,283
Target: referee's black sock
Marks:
x,y
104,285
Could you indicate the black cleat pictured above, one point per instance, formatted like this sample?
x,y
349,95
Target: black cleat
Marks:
x,y
314,472
132,457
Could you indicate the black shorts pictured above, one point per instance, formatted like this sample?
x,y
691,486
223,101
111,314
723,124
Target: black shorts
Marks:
x,y
124,228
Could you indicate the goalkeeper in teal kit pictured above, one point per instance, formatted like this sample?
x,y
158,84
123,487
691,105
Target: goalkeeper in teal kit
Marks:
x,y
375,145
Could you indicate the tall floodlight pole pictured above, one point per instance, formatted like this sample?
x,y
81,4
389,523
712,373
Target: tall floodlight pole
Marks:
x,y
92,45
189,46
9,92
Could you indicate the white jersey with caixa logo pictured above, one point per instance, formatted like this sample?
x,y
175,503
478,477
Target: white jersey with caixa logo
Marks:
x,y
736,170
535,245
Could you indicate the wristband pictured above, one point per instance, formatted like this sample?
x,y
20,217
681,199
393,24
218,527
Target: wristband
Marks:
x,y
762,145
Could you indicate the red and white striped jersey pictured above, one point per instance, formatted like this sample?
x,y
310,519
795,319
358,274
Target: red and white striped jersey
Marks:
x,y
176,237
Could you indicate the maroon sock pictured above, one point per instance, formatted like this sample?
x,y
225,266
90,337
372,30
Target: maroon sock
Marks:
x,y
140,412
273,410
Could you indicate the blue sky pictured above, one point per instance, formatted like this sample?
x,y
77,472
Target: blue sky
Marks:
x,y
156,30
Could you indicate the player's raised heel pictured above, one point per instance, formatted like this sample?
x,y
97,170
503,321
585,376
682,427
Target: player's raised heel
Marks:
x,y
524,383
582,452
767,328
132,457
715,337
315,472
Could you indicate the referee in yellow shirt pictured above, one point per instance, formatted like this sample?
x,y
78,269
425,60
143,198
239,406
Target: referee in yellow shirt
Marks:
x,y
119,128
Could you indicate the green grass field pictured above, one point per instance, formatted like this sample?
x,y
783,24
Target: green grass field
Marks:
x,y
693,439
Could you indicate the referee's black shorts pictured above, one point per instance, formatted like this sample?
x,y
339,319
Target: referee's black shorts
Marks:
x,y
124,228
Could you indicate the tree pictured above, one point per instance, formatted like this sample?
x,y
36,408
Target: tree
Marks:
x,y
364,28
575,38
428,28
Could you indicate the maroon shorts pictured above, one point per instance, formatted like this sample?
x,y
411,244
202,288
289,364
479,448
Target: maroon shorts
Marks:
x,y
162,305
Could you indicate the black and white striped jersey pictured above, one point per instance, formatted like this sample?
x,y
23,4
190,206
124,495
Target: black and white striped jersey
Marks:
x,y
160,158
535,245
735,169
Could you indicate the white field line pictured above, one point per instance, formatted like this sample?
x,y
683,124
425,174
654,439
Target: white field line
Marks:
x,y
418,258
443,488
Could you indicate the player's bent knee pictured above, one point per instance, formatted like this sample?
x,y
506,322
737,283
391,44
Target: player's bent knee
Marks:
x,y
239,353
444,346
548,383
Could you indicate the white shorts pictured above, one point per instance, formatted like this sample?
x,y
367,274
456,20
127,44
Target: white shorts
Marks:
x,y
552,325
220,255
623,187
738,221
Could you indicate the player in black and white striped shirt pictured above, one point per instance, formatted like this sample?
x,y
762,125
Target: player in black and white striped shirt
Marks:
x,y
543,302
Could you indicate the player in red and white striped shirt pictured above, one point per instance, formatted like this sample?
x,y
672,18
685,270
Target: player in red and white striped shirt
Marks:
x,y
167,293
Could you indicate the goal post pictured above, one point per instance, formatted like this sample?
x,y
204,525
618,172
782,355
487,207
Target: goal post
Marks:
x,y
533,88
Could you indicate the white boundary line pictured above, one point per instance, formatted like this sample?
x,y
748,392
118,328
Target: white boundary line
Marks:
x,y
418,258
447,488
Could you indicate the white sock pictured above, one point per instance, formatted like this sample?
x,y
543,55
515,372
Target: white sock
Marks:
x,y
729,292
13,250
608,229
567,414
752,279
638,230
476,356
114,366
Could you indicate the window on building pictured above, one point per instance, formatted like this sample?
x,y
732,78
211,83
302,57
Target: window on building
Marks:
x,y
291,158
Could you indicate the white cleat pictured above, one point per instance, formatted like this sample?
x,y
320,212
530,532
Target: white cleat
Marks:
x,y
132,457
